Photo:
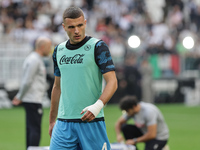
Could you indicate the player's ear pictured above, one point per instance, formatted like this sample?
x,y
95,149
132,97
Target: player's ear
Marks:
x,y
63,25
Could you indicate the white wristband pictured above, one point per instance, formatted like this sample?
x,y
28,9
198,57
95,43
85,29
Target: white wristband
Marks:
x,y
95,108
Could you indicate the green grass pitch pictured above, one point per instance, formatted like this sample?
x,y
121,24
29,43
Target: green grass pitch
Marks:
x,y
183,122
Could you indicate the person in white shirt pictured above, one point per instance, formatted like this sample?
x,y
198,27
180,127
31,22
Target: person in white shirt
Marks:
x,y
32,89
149,124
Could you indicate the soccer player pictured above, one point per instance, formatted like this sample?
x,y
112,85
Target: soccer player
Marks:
x,y
32,90
77,101
150,126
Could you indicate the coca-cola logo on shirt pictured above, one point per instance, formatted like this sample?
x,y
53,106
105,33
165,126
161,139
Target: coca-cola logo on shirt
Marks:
x,y
76,59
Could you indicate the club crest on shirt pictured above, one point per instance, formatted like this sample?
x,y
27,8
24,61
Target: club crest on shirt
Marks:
x,y
76,59
60,49
87,47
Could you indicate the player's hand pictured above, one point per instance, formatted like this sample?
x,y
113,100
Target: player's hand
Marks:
x,y
16,101
120,138
88,116
130,142
92,111
51,125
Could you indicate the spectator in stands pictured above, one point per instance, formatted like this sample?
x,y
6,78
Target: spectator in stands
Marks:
x,y
146,82
24,20
132,76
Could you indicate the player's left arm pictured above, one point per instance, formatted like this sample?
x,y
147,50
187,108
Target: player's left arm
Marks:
x,y
105,64
110,88
149,135
151,124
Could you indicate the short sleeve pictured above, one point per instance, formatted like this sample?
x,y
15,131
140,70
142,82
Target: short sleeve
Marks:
x,y
56,68
103,57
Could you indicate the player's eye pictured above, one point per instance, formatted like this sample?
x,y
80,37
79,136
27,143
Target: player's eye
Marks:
x,y
80,25
70,27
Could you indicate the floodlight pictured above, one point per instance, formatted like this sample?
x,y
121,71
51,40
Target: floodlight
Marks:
x,y
188,42
134,41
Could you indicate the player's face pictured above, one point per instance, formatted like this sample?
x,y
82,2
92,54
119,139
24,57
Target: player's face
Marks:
x,y
75,29
131,111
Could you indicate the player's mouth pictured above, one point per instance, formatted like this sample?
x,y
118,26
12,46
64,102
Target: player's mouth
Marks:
x,y
77,37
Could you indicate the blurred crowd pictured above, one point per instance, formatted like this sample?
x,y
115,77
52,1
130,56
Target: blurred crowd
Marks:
x,y
161,26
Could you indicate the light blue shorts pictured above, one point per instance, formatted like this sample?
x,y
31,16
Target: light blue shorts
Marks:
x,y
79,136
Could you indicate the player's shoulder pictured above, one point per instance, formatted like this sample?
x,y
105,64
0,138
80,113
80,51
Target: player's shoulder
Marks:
x,y
100,43
63,43
146,107
91,40
33,57
59,46
149,109
101,46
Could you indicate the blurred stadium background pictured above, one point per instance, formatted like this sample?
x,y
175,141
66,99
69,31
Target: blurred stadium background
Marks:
x,y
155,46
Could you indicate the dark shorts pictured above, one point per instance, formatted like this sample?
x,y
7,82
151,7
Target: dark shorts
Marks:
x,y
131,131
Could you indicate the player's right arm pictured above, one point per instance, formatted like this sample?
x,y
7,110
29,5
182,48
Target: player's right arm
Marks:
x,y
55,94
118,126
55,97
